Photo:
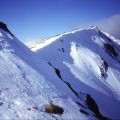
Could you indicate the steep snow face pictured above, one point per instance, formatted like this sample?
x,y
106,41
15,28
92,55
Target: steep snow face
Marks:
x,y
25,89
89,61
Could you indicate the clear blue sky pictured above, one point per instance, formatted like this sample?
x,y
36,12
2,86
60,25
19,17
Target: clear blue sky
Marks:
x,y
36,19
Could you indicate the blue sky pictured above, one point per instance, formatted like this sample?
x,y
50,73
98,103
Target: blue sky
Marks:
x,y
36,19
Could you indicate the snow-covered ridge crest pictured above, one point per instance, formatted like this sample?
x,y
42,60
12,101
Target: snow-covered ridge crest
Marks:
x,y
42,43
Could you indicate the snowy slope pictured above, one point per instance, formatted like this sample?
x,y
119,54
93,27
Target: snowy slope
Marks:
x,y
87,62
26,86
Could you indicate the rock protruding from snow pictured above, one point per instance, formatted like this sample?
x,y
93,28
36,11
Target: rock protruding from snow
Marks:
x,y
4,27
55,109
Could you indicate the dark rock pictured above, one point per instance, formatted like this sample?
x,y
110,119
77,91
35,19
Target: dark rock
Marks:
x,y
105,65
4,27
54,109
103,68
57,71
102,35
80,105
61,40
50,63
84,112
61,49
92,105
71,88
103,72
110,50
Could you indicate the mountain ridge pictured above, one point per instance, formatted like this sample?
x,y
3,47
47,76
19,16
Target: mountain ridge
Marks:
x,y
88,51
72,71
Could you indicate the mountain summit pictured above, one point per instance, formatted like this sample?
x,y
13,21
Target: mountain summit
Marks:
x,y
73,75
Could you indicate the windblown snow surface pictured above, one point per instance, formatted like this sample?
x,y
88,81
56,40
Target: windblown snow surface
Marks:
x,y
78,71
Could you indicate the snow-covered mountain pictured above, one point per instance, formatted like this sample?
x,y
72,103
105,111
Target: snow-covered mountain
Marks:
x,y
71,76
88,62
24,90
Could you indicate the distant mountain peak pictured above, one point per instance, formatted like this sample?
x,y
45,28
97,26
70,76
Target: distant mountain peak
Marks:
x,y
95,27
